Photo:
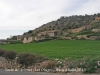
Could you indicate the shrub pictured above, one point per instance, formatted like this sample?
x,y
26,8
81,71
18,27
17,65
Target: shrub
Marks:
x,y
2,52
30,31
90,68
26,59
10,54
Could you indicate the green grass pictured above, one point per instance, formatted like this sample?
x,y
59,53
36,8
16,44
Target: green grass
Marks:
x,y
88,32
61,49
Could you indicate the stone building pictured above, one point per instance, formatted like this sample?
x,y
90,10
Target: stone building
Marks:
x,y
18,37
47,35
28,39
37,38
52,33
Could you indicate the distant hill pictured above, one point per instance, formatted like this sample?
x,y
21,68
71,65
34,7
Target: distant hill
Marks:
x,y
72,22
71,27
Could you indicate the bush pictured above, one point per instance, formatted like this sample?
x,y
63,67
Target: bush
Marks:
x,y
30,31
26,59
10,54
2,52
91,67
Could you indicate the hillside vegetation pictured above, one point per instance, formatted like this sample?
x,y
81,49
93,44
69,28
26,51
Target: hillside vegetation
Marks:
x,y
61,49
66,23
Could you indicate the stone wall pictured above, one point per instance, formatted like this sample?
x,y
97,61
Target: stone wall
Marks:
x,y
77,29
96,30
28,39
37,38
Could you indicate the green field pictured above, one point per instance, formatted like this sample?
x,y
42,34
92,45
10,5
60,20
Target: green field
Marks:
x,y
59,48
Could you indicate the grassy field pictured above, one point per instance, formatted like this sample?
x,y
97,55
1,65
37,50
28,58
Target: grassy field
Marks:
x,y
59,48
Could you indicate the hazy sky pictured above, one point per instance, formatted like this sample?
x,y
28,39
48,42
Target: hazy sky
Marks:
x,y
19,16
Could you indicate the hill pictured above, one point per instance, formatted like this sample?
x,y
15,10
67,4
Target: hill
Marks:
x,y
71,27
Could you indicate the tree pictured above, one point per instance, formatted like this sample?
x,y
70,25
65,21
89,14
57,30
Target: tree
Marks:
x,y
30,31
10,54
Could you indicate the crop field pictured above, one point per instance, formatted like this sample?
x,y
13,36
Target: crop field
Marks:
x,y
61,49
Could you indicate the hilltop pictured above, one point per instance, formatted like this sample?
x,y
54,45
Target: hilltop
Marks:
x,y
71,27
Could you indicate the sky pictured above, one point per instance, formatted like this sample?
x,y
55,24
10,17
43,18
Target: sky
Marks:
x,y
19,16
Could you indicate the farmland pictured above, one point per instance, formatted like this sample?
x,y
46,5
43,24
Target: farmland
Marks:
x,y
61,49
